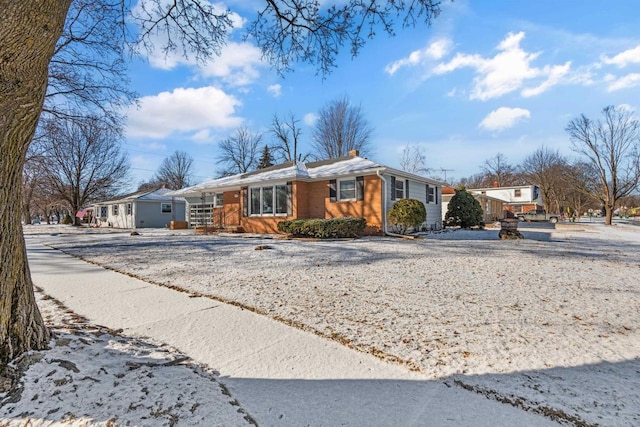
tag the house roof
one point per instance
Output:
(159, 195)
(289, 171)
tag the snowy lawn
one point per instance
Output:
(549, 322)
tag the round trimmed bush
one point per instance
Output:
(406, 214)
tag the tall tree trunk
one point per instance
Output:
(28, 34)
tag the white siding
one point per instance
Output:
(418, 191)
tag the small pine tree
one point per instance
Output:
(464, 211)
(406, 214)
(267, 159)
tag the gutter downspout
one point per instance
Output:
(384, 209)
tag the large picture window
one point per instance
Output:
(270, 200)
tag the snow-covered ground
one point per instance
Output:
(549, 322)
(94, 376)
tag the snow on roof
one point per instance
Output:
(286, 172)
(159, 195)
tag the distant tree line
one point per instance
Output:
(340, 128)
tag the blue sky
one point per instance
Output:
(487, 77)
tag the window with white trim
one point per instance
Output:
(431, 194)
(165, 208)
(114, 210)
(269, 200)
(517, 193)
(219, 200)
(398, 191)
(103, 211)
(347, 189)
(281, 199)
(129, 208)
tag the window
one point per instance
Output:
(398, 189)
(517, 193)
(219, 200)
(129, 208)
(103, 211)
(255, 201)
(347, 189)
(114, 209)
(165, 208)
(267, 200)
(270, 200)
(281, 199)
(430, 194)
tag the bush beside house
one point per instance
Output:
(464, 211)
(323, 228)
(407, 214)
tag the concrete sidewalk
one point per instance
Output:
(280, 375)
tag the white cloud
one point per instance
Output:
(630, 56)
(555, 75)
(237, 64)
(275, 90)
(310, 119)
(628, 81)
(507, 71)
(626, 107)
(503, 118)
(183, 110)
(434, 51)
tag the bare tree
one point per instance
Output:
(414, 160)
(175, 171)
(612, 149)
(545, 169)
(341, 127)
(473, 181)
(499, 171)
(84, 161)
(88, 70)
(287, 137)
(239, 152)
(30, 32)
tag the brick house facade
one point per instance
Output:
(345, 187)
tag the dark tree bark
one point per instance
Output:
(29, 32)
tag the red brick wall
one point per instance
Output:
(311, 200)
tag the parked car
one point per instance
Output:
(538, 215)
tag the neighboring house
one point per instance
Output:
(492, 207)
(345, 187)
(148, 209)
(518, 199)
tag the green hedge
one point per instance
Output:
(323, 228)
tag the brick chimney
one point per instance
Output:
(495, 184)
(354, 153)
